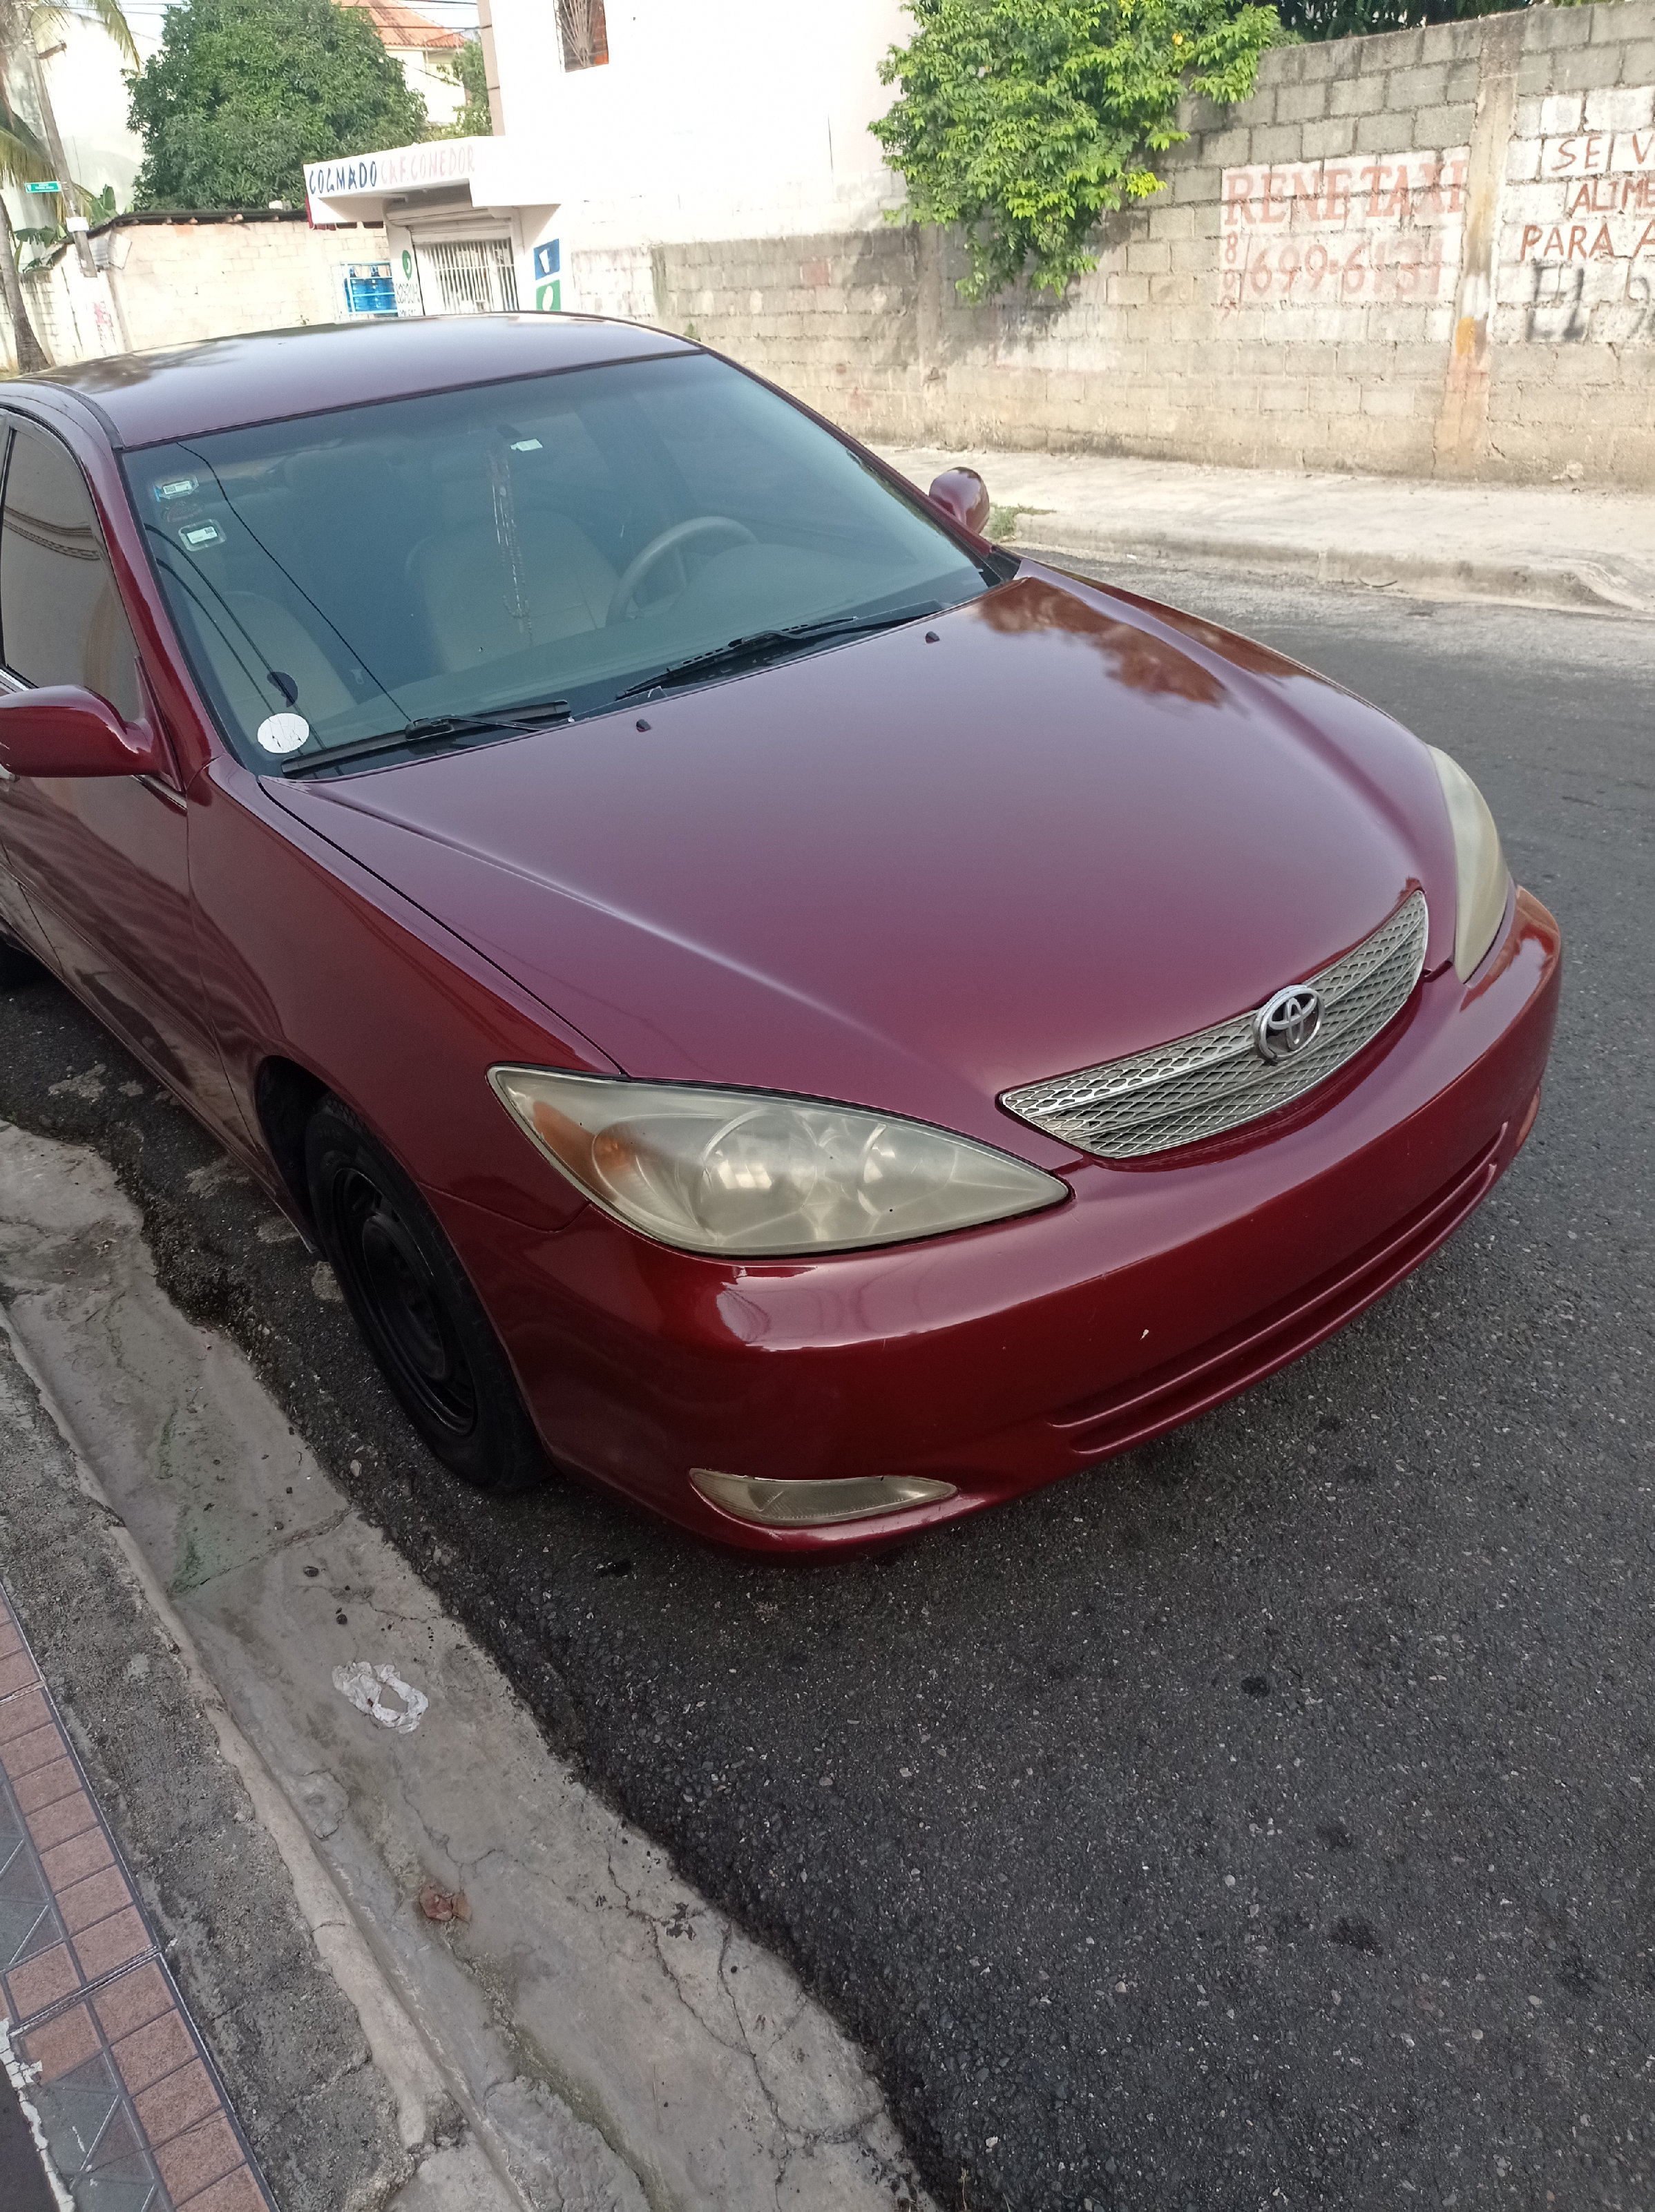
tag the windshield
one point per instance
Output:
(388, 577)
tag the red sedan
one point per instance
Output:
(764, 1000)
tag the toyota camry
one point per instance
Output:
(768, 1002)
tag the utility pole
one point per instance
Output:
(67, 193)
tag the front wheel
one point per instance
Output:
(424, 1325)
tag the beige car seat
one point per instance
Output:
(245, 634)
(463, 581)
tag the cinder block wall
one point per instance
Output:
(171, 282)
(177, 282)
(1371, 265)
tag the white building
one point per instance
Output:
(623, 130)
(428, 55)
(86, 79)
(83, 71)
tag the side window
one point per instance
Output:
(61, 620)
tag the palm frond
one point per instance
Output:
(20, 19)
(109, 13)
(23, 158)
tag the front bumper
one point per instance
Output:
(1003, 1357)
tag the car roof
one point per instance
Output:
(144, 399)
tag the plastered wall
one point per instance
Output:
(169, 283)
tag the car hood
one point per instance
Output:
(1055, 825)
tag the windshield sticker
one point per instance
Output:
(196, 535)
(176, 488)
(282, 733)
(526, 445)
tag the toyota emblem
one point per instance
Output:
(1287, 1023)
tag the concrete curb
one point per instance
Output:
(1576, 588)
(284, 2037)
(402, 2059)
(1568, 551)
(612, 2042)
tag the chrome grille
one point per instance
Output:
(1201, 1085)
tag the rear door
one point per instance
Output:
(100, 863)
(17, 918)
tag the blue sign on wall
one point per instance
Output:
(548, 259)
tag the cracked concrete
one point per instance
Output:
(333, 2087)
(614, 2043)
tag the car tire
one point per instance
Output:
(424, 1324)
(18, 966)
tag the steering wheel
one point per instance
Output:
(669, 541)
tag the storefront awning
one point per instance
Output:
(499, 172)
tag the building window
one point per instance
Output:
(467, 276)
(583, 32)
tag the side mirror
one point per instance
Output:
(964, 498)
(61, 730)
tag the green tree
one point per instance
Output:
(24, 157)
(1027, 121)
(465, 67)
(243, 93)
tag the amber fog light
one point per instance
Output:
(810, 1504)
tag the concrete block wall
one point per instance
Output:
(170, 283)
(179, 282)
(1338, 274)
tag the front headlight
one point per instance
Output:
(1483, 880)
(743, 1172)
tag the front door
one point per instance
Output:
(100, 863)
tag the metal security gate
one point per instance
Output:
(468, 276)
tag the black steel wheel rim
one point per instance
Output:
(393, 1289)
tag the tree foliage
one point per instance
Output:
(1027, 121)
(466, 69)
(243, 93)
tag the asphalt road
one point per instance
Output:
(1263, 1819)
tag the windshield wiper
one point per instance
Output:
(740, 652)
(433, 730)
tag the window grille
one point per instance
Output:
(468, 277)
(583, 34)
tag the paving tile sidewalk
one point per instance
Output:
(1553, 545)
(96, 2034)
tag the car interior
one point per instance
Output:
(448, 553)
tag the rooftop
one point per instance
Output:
(403, 28)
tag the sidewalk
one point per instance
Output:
(105, 2062)
(1553, 545)
(409, 1936)
(128, 1849)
